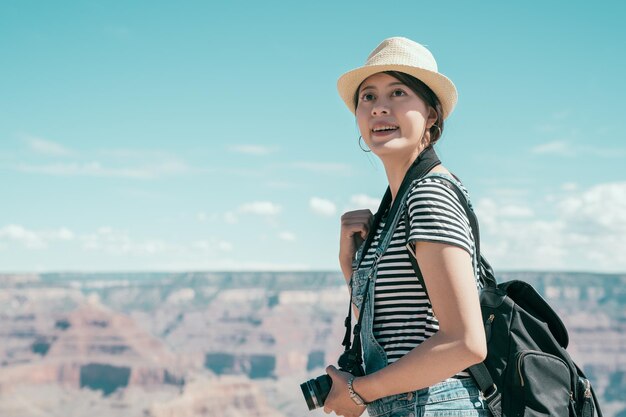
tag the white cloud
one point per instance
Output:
(569, 186)
(565, 149)
(256, 266)
(96, 169)
(119, 242)
(225, 246)
(135, 154)
(210, 246)
(114, 163)
(287, 236)
(588, 233)
(19, 234)
(560, 148)
(202, 245)
(599, 210)
(363, 201)
(32, 239)
(252, 149)
(227, 217)
(512, 211)
(230, 217)
(280, 184)
(322, 206)
(221, 263)
(510, 193)
(489, 210)
(117, 248)
(65, 234)
(46, 147)
(263, 208)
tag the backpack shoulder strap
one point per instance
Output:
(479, 372)
(484, 267)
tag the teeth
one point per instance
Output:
(381, 128)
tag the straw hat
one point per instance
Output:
(402, 55)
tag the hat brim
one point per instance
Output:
(441, 85)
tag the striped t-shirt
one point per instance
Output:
(403, 315)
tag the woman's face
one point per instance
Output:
(391, 117)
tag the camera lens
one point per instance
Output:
(316, 390)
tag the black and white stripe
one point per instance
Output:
(403, 315)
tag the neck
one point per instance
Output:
(396, 169)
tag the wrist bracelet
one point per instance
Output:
(358, 400)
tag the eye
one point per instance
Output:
(398, 93)
(367, 97)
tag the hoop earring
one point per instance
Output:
(364, 150)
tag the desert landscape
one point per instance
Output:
(228, 344)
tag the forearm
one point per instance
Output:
(345, 263)
(434, 360)
(346, 269)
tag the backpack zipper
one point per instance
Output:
(587, 389)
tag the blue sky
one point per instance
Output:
(209, 135)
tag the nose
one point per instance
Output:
(380, 108)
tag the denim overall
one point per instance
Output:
(452, 397)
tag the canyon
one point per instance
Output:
(231, 343)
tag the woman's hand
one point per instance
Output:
(338, 399)
(355, 226)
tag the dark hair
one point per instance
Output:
(424, 92)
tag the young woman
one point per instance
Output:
(417, 341)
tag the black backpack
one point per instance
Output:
(528, 371)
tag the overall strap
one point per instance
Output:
(425, 161)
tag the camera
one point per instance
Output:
(316, 390)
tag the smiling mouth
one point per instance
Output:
(384, 129)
